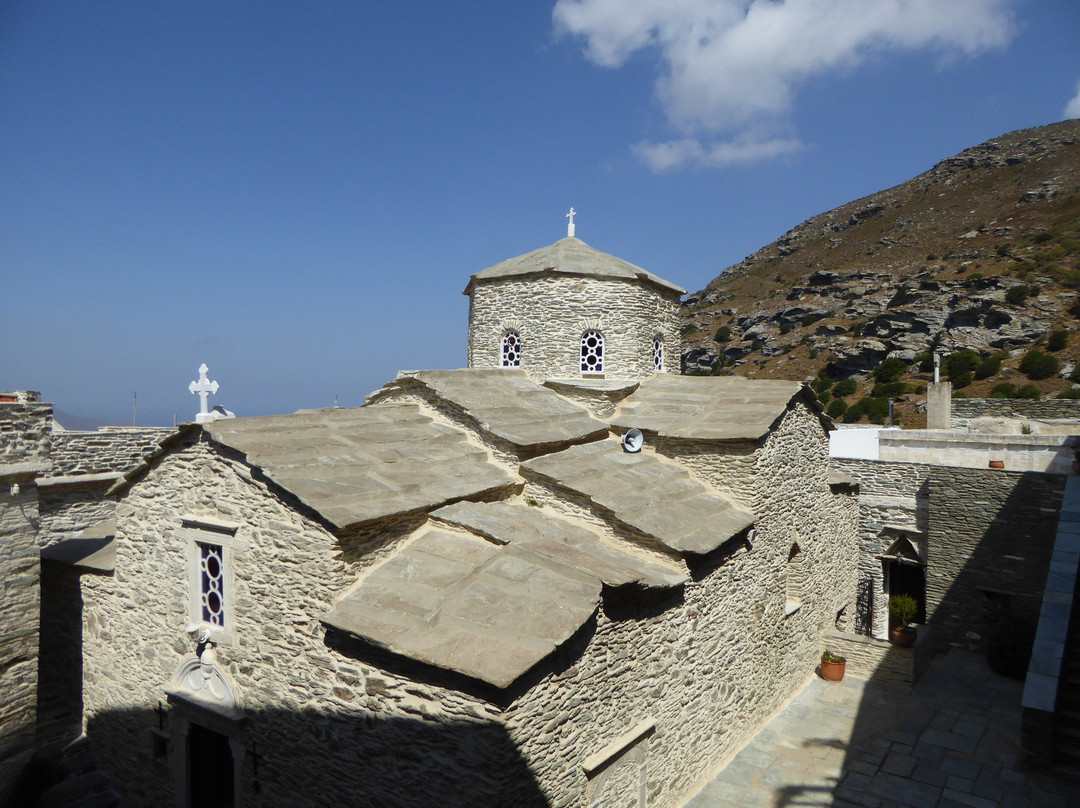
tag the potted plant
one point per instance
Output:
(903, 608)
(832, 666)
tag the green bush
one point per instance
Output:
(1018, 294)
(1038, 364)
(785, 328)
(961, 362)
(876, 408)
(961, 381)
(1003, 390)
(723, 334)
(900, 298)
(1029, 391)
(890, 370)
(845, 388)
(890, 390)
(988, 367)
(1073, 393)
(837, 407)
(824, 397)
(854, 413)
(1058, 340)
(821, 384)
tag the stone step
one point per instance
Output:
(74, 788)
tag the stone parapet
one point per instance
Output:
(965, 409)
(108, 449)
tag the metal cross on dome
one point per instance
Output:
(203, 388)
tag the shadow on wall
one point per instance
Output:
(955, 734)
(286, 758)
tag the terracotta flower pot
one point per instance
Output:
(902, 636)
(832, 671)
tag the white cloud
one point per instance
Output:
(1072, 109)
(733, 67)
(689, 151)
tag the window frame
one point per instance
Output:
(197, 533)
(507, 333)
(598, 351)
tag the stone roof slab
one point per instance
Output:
(706, 407)
(464, 603)
(358, 465)
(504, 402)
(571, 256)
(649, 493)
(561, 540)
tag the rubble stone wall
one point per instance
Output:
(991, 536)
(964, 409)
(709, 666)
(320, 723)
(108, 449)
(19, 606)
(893, 499)
(25, 432)
(551, 312)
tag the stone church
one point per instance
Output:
(562, 576)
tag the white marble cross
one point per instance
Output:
(203, 387)
(570, 227)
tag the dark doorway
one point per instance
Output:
(908, 579)
(210, 769)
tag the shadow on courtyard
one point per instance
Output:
(954, 737)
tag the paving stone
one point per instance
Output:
(900, 765)
(970, 799)
(962, 768)
(959, 784)
(925, 773)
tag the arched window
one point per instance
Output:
(658, 354)
(511, 350)
(592, 352)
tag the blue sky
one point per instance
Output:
(296, 193)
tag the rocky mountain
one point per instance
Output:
(979, 254)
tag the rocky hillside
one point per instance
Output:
(979, 256)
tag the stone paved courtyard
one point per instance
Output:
(952, 741)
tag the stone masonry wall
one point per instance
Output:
(964, 409)
(551, 312)
(108, 449)
(892, 499)
(991, 535)
(25, 432)
(19, 574)
(320, 723)
(24, 447)
(68, 509)
(708, 667)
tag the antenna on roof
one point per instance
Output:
(570, 227)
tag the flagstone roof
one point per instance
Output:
(707, 407)
(504, 402)
(362, 464)
(652, 494)
(493, 603)
(571, 256)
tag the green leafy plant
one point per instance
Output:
(1003, 390)
(845, 388)
(890, 370)
(723, 334)
(1038, 364)
(837, 407)
(961, 362)
(903, 608)
(1029, 391)
(828, 656)
(989, 366)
